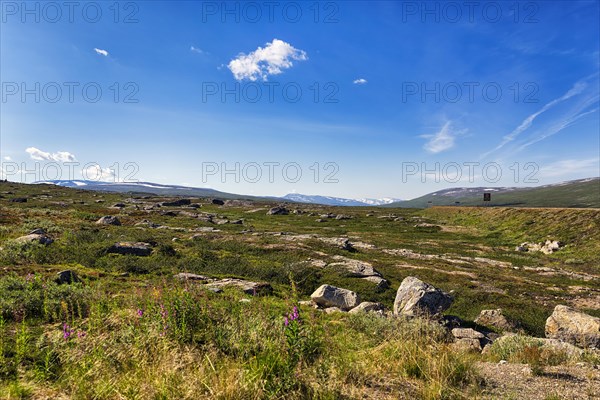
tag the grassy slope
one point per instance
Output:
(575, 194)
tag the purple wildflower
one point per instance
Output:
(285, 321)
(140, 312)
(67, 331)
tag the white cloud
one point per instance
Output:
(98, 174)
(359, 81)
(588, 167)
(262, 62)
(577, 88)
(7, 158)
(196, 50)
(39, 155)
(101, 52)
(442, 140)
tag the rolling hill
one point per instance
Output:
(581, 193)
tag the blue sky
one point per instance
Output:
(369, 94)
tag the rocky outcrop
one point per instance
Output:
(128, 248)
(109, 220)
(330, 296)
(217, 202)
(415, 297)
(573, 327)
(354, 268)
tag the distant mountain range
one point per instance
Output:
(337, 201)
(580, 193)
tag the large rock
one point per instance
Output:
(217, 202)
(35, 238)
(573, 327)
(495, 319)
(248, 287)
(109, 220)
(278, 211)
(128, 248)
(330, 296)
(547, 247)
(415, 297)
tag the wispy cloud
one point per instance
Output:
(359, 81)
(101, 52)
(577, 88)
(39, 155)
(587, 167)
(442, 140)
(196, 50)
(262, 62)
(7, 158)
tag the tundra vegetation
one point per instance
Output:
(188, 300)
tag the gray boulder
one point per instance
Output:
(573, 327)
(415, 297)
(67, 276)
(35, 238)
(109, 220)
(278, 211)
(330, 296)
(495, 319)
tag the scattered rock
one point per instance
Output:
(331, 296)
(495, 319)
(148, 223)
(67, 276)
(37, 231)
(109, 220)
(237, 222)
(215, 290)
(118, 205)
(331, 310)
(367, 306)
(547, 247)
(278, 211)
(573, 327)
(19, 200)
(186, 276)
(416, 297)
(176, 203)
(252, 288)
(342, 217)
(128, 248)
(217, 202)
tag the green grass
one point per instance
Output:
(214, 346)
